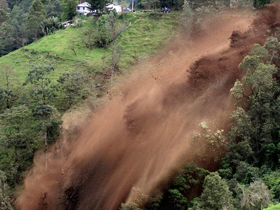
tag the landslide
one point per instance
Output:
(143, 133)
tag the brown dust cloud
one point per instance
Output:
(135, 141)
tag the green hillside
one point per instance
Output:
(146, 34)
(276, 207)
(233, 93)
(37, 95)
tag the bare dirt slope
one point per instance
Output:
(143, 133)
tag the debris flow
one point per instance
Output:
(143, 134)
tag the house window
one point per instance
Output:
(78, 8)
(83, 8)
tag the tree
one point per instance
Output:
(6, 41)
(260, 3)
(273, 182)
(49, 123)
(3, 11)
(172, 3)
(241, 151)
(180, 183)
(216, 193)
(154, 202)
(7, 93)
(241, 125)
(99, 5)
(177, 199)
(260, 194)
(73, 87)
(5, 201)
(215, 141)
(256, 196)
(47, 115)
(37, 14)
(115, 31)
(102, 36)
(13, 33)
(68, 9)
(18, 20)
(54, 9)
(189, 177)
(50, 25)
(38, 77)
(149, 4)
(188, 16)
(17, 141)
(260, 88)
(245, 197)
(108, 31)
(24, 5)
(194, 204)
(255, 124)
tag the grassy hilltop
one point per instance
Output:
(146, 34)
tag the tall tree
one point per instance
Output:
(14, 31)
(37, 14)
(7, 89)
(5, 201)
(18, 20)
(259, 125)
(177, 199)
(256, 196)
(48, 118)
(3, 11)
(68, 9)
(25, 5)
(149, 4)
(99, 5)
(216, 194)
(17, 141)
(54, 8)
(6, 39)
(102, 36)
(114, 30)
(73, 87)
(260, 3)
(38, 77)
(48, 124)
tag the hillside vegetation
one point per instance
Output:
(276, 207)
(41, 81)
(235, 161)
(67, 51)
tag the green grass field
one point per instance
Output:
(146, 35)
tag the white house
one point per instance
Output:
(111, 7)
(84, 8)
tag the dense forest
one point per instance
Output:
(247, 175)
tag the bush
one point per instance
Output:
(104, 27)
